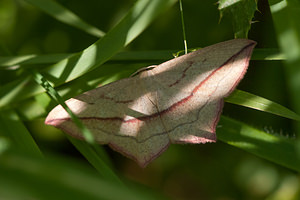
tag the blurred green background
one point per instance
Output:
(210, 171)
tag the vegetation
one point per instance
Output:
(53, 50)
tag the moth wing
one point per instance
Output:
(192, 88)
(178, 101)
(121, 114)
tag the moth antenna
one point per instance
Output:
(158, 111)
(142, 69)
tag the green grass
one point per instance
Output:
(31, 84)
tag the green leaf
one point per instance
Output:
(276, 149)
(241, 13)
(246, 99)
(64, 15)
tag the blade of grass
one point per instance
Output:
(94, 155)
(98, 158)
(24, 177)
(138, 18)
(142, 13)
(249, 100)
(6, 62)
(64, 15)
(276, 149)
(286, 15)
(39, 105)
(12, 127)
(15, 91)
(92, 79)
(267, 54)
(20, 89)
(32, 110)
(88, 136)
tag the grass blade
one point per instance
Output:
(276, 149)
(140, 16)
(12, 127)
(64, 15)
(249, 100)
(24, 177)
(129, 56)
(98, 158)
(285, 15)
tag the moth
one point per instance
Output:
(179, 101)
